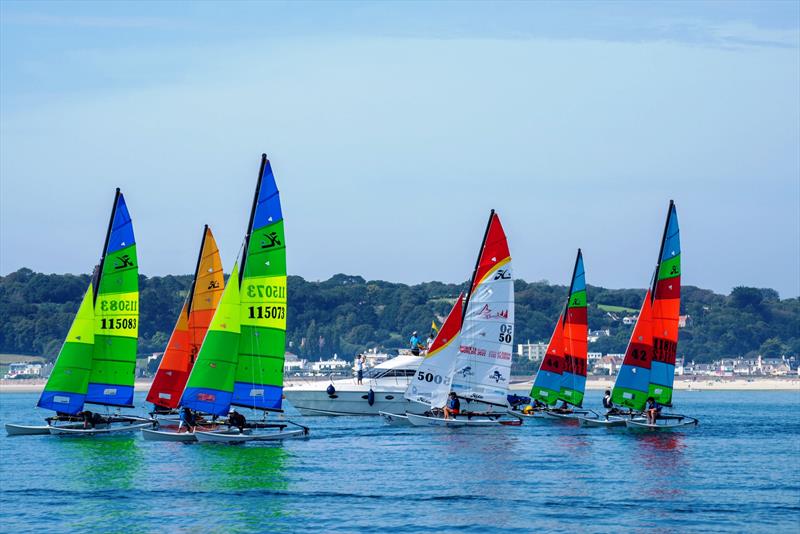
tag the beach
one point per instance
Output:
(704, 383)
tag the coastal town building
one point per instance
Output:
(23, 370)
(532, 351)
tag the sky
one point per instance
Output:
(394, 127)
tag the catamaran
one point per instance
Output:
(240, 363)
(184, 344)
(431, 382)
(562, 372)
(97, 362)
(648, 369)
(481, 368)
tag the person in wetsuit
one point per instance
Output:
(236, 419)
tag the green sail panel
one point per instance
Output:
(259, 373)
(116, 314)
(210, 385)
(65, 391)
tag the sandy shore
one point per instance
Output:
(520, 384)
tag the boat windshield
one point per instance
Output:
(374, 373)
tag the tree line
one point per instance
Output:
(347, 314)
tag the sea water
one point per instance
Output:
(737, 471)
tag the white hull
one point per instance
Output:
(395, 419)
(165, 435)
(238, 437)
(459, 421)
(99, 431)
(670, 422)
(347, 402)
(34, 430)
(572, 416)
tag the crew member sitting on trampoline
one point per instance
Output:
(453, 406)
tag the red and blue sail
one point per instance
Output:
(576, 331)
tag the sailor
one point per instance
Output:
(453, 406)
(360, 368)
(429, 342)
(415, 343)
(539, 405)
(564, 408)
(653, 410)
(186, 418)
(87, 419)
(236, 419)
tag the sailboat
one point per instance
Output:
(187, 337)
(240, 363)
(97, 362)
(431, 383)
(665, 294)
(481, 368)
(562, 372)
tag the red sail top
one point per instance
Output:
(494, 253)
(640, 347)
(450, 328)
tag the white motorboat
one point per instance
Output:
(387, 383)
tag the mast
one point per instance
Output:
(569, 291)
(96, 282)
(196, 271)
(478, 261)
(252, 216)
(661, 250)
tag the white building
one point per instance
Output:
(532, 351)
(334, 365)
(19, 369)
(293, 365)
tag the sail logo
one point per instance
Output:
(206, 397)
(502, 274)
(124, 261)
(213, 284)
(487, 313)
(272, 237)
(465, 372)
(497, 376)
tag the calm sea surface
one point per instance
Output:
(737, 471)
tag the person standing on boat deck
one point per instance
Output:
(453, 406)
(607, 404)
(429, 342)
(360, 368)
(653, 410)
(415, 343)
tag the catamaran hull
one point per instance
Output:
(662, 424)
(34, 430)
(601, 422)
(238, 437)
(105, 430)
(165, 435)
(565, 416)
(395, 419)
(424, 420)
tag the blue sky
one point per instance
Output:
(393, 128)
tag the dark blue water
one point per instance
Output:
(737, 471)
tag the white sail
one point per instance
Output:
(431, 384)
(483, 363)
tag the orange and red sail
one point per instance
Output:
(191, 327)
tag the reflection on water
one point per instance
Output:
(661, 457)
(100, 463)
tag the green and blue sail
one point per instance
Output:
(97, 362)
(245, 368)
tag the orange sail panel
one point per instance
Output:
(191, 327)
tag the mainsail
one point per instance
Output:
(547, 385)
(573, 378)
(633, 379)
(116, 314)
(210, 385)
(65, 391)
(666, 300)
(190, 329)
(431, 384)
(483, 363)
(259, 374)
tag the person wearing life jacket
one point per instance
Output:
(186, 418)
(236, 419)
(453, 406)
(608, 404)
(416, 344)
(653, 410)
